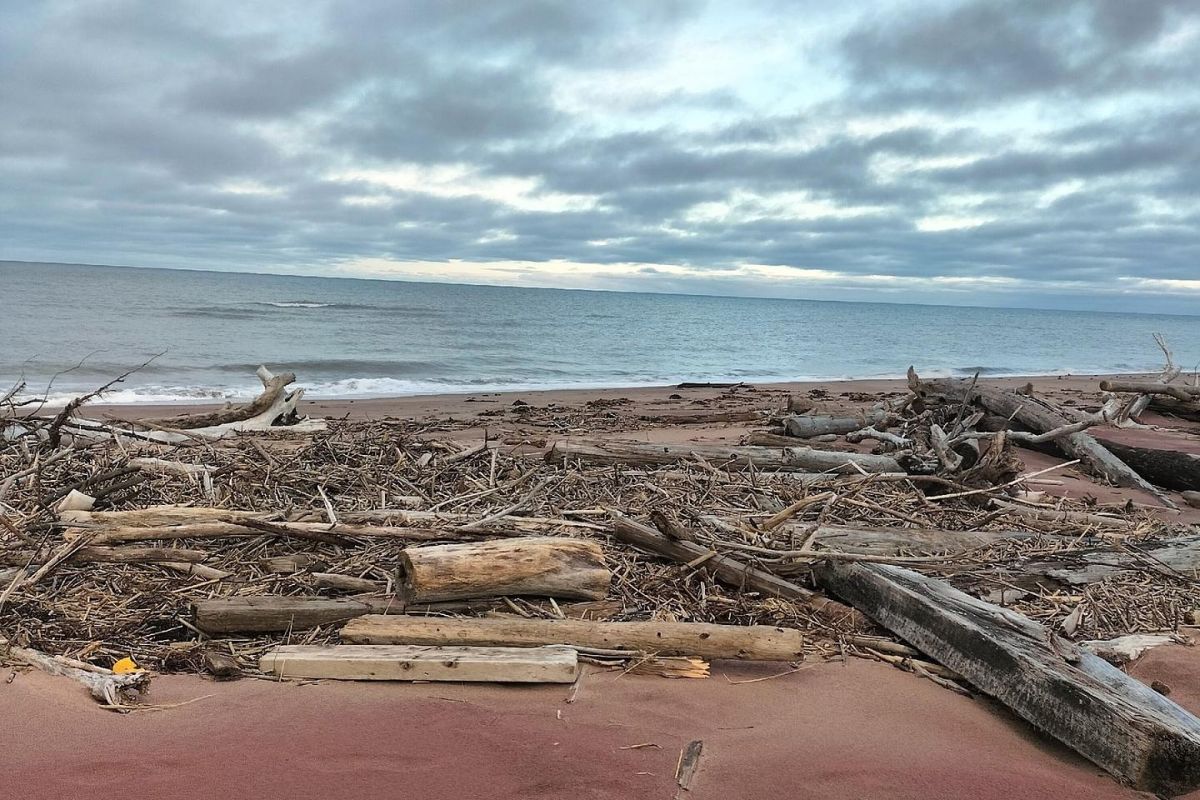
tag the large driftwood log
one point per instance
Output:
(749, 642)
(804, 426)
(1181, 392)
(1120, 724)
(1170, 469)
(274, 386)
(1172, 407)
(382, 662)
(536, 566)
(733, 572)
(798, 459)
(1041, 418)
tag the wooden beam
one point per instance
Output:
(1118, 723)
(365, 662)
(705, 640)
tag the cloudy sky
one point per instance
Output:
(979, 152)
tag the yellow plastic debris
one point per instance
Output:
(125, 665)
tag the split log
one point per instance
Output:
(1170, 469)
(704, 640)
(367, 662)
(798, 459)
(733, 572)
(808, 426)
(1041, 418)
(1118, 723)
(538, 566)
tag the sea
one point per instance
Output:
(199, 336)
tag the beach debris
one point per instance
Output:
(1113, 720)
(365, 662)
(689, 762)
(704, 640)
(1125, 649)
(541, 566)
(793, 458)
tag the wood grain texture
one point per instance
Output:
(539, 566)
(1118, 723)
(752, 642)
(418, 663)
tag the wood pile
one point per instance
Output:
(387, 550)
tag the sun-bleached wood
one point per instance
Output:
(367, 662)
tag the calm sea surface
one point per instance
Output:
(354, 338)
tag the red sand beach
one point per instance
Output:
(854, 730)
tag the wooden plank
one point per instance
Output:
(705, 640)
(1118, 723)
(366, 662)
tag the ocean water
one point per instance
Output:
(73, 327)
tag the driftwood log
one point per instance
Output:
(1170, 469)
(701, 639)
(1118, 723)
(1178, 558)
(734, 572)
(1040, 417)
(274, 613)
(798, 459)
(808, 426)
(366, 662)
(538, 566)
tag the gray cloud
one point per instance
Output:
(1030, 142)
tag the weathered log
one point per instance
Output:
(808, 426)
(1192, 499)
(156, 515)
(1057, 515)
(1181, 392)
(733, 572)
(1170, 557)
(301, 530)
(274, 385)
(1118, 723)
(272, 613)
(703, 417)
(916, 541)
(266, 613)
(1170, 469)
(797, 459)
(369, 662)
(1172, 407)
(536, 566)
(749, 642)
(112, 555)
(1040, 418)
(346, 583)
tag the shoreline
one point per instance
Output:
(392, 405)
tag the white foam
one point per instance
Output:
(299, 304)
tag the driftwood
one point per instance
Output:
(104, 685)
(366, 662)
(798, 459)
(893, 541)
(733, 572)
(703, 417)
(808, 426)
(1178, 558)
(1170, 469)
(1040, 418)
(273, 613)
(1181, 392)
(704, 640)
(346, 583)
(538, 566)
(1057, 515)
(1118, 723)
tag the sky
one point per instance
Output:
(984, 152)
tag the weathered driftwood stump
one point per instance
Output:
(541, 566)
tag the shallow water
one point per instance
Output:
(349, 338)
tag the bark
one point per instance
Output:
(735, 573)
(1170, 469)
(704, 640)
(365, 662)
(537, 566)
(1041, 418)
(795, 459)
(1120, 724)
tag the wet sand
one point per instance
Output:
(829, 731)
